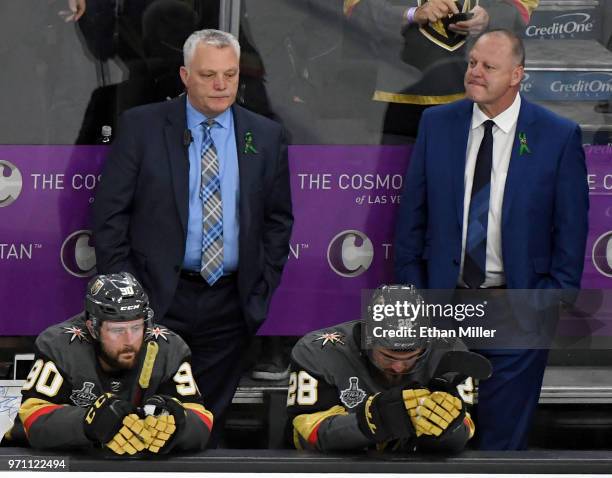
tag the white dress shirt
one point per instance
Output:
(503, 138)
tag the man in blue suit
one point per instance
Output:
(195, 202)
(496, 197)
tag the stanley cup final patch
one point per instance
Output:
(84, 397)
(353, 395)
(439, 32)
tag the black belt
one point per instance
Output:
(195, 276)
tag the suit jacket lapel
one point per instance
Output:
(241, 127)
(458, 139)
(517, 169)
(174, 129)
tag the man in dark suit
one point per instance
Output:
(496, 197)
(195, 202)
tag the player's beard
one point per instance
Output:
(393, 379)
(115, 361)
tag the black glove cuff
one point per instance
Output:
(105, 418)
(362, 420)
(384, 417)
(397, 419)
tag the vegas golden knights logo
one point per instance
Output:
(439, 33)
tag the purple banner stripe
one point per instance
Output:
(345, 203)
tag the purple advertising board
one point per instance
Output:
(345, 203)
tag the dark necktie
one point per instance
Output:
(212, 210)
(474, 265)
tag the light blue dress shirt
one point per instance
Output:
(225, 142)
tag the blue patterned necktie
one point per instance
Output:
(212, 209)
(474, 264)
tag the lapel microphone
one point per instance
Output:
(187, 138)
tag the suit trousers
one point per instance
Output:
(508, 400)
(518, 353)
(210, 320)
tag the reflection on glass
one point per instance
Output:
(354, 71)
(332, 71)
(72, 66)
(138, 47)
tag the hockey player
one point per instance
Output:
(348, 393)
(110, 378)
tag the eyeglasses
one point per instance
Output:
(120, 331)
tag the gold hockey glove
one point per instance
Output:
(435, 413)
(131, 438)
(165, 419)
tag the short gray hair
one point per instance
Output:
(209, 37)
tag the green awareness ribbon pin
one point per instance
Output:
(523, 146)
(248, 144)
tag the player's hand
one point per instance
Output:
(132, 437)
(434, 10)
(164, 420)
(113, 422)
(386, 415)
(435, 413)
(475, 25)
